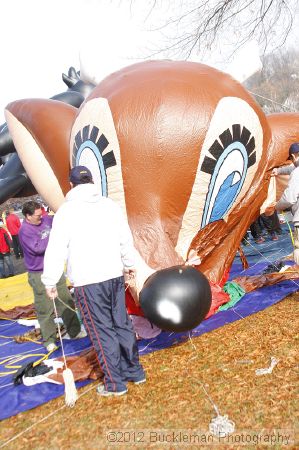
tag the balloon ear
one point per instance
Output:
(285, 131)
(40, 130)
(71, 78)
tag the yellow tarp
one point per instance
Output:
(15, 291)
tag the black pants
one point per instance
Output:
(270, 223)
(255, 229)
(18, 251)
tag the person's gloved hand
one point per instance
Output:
(130, 273)
(130, 281)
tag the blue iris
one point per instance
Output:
(227, 190)
(225, 197)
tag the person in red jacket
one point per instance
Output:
(5, 256)
(13, 225)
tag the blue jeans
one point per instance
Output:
(6, 262)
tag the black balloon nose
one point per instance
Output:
(176, 299)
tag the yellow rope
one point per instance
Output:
(5, 318)
(25, 338)
(290, 229)
(10, 362)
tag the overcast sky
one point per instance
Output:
(42, 39)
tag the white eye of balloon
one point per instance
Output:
(170, 311)
(88, 150)
(232, 155)
(227, 165)
(94, 144)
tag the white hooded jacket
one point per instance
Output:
(90, 233)
(290, 197)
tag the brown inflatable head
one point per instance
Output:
(182, 147)
(186, 147)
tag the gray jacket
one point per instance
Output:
(286, 170)
(290, 197)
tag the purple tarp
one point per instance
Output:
(15, 399)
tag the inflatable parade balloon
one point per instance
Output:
(176, 299)
(182, 147)
(14, 181)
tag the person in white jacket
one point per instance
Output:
(90, 233)
(290, 197)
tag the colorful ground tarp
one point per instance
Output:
(15, 291)
(15, 399)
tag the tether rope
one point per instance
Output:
(272, 101)
(220, 425)
(41, 420)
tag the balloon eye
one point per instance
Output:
(232, 156)
(89, 146)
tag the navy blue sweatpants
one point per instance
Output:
(103, 309)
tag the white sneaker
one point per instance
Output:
(102, 391)
(80, 335)
(140, 381)
(51, 347)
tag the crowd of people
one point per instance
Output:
(269, 225)
(9, 240)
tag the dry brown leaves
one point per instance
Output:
(224, 361)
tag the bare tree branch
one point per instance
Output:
(199, 25)
(276, 87)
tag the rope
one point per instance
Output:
(7, 324)
(40, 421)
(273, 101)
(67, 306)
(71, 394)
(266, 259)
(5, 385)
(24, 337)
(6, 343)
(290, 229)
(59, 332)
(19, 354)
(5, 318)
(68, 354)
(220, 425)
(10, 362)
